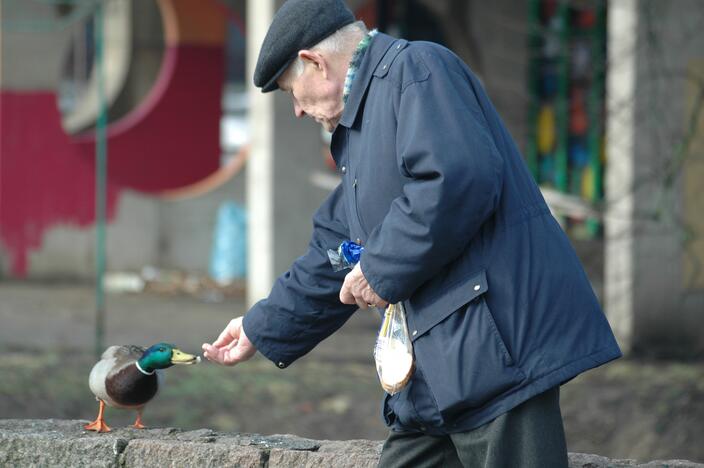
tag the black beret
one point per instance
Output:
(299, 24)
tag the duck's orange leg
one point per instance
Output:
(138, 422)
(99, 424)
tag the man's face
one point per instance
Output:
(317, 92)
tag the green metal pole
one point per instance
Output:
(596, 102)
(534, 39)
(561, 102)
(101, 153)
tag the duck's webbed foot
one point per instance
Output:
(99, 424)
(138, 422)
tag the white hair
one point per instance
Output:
(343, 40)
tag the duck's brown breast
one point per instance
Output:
(130, 387)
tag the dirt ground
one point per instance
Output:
(629, 409)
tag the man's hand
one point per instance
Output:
(356, 290)
(231, 347)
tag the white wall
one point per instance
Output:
(649, 299)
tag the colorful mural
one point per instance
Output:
(566, 82)
(170, 140)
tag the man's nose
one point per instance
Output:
(298, 110)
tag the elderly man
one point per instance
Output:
(498, 306)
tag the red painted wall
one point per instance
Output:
(173, 138)
(44, 178)
(170, 140)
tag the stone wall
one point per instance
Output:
(52, 442)
(654, 283)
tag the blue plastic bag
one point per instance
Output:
(228, 256)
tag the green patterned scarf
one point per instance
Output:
(355, 61)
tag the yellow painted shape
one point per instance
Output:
(546, 129)
(588, 184)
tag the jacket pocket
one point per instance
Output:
(357, 211)
(460, 350)
(425, 310)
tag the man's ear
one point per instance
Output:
(316, 58)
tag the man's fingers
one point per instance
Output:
(224, 338)
(356, 290)
(240, 353)
(219, 355)
(375, 300)
(231, 332)
(234, 343)
(209, 351)
(346, 296)
(231, 347)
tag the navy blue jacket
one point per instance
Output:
(454, 226)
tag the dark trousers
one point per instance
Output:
(530, 435)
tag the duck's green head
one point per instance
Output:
(164, 355)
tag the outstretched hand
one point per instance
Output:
(231, 347)
(356, 290)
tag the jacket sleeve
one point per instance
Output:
(303, 307)
(446, 150)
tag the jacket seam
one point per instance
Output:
(500, 339)
(403, 86)
(523, 215)
(464, 279)
(431, 392)
(567, 364)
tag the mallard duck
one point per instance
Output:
(129, 377)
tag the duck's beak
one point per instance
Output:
(179, 357)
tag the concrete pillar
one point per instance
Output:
(620, 129)
(654, 284)
(259, 190)
(285, 151)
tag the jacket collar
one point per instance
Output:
(376, 62)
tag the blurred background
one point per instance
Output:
(149, 193)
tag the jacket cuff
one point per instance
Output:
(378, 284)
(253, 323)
